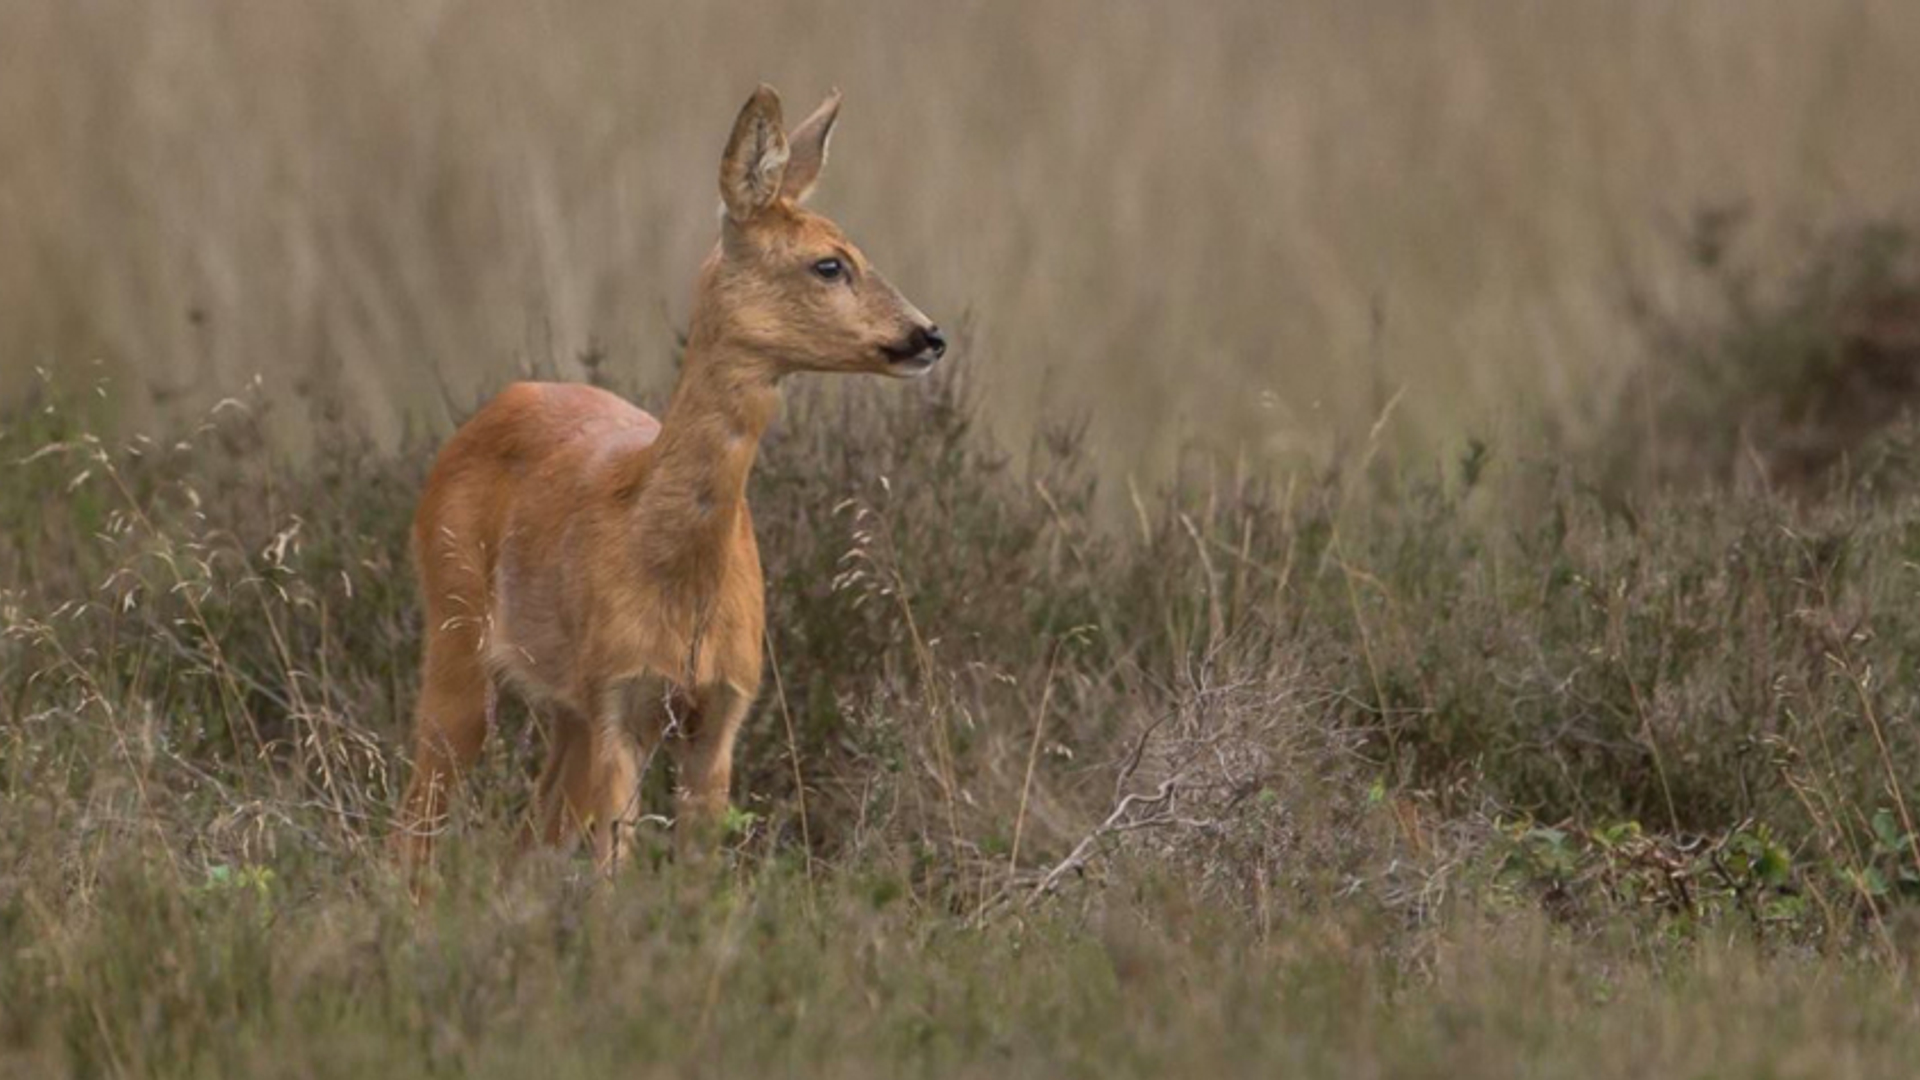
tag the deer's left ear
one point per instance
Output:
(809, 145)
(756, 157)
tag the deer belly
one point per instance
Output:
(526, 640)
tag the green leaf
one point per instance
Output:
(1618, 833)
(1773, 865)
(1886, 830)
(738, 821)
(1872, 882)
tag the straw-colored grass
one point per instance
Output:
(1499, 705)
(1253, 223)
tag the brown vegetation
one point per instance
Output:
(1582, 748)
(1254, 227)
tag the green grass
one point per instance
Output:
(1476, 770)
(660, 975)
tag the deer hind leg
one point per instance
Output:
(703, 768)
(450, 726)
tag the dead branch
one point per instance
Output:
(1117, 821)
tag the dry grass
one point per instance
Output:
(1255, 226)
(1557, 755)
(1338, 775)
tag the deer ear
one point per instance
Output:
(809, 144)
(756, 157)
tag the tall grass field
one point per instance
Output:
(1410, 568)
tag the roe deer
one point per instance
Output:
(603, 562)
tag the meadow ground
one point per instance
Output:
(1410, 569)
(1373, 772)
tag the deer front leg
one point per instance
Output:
(557, 818)
(703, 766)
(601, 793)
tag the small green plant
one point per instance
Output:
(222, 878)
(739, 823)
(1889, 872)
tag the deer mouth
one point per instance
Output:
(912, 365)
(909, 362)
(917, 354)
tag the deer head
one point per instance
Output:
(785, 283)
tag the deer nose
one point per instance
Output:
(932, 341)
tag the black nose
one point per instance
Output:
(932, 341)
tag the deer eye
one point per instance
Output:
(830, 269)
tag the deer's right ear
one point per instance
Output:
(756, 157)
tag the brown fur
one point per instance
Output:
(604, 563)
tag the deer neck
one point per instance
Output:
(693, 498)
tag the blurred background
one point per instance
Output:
(1258, 225)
